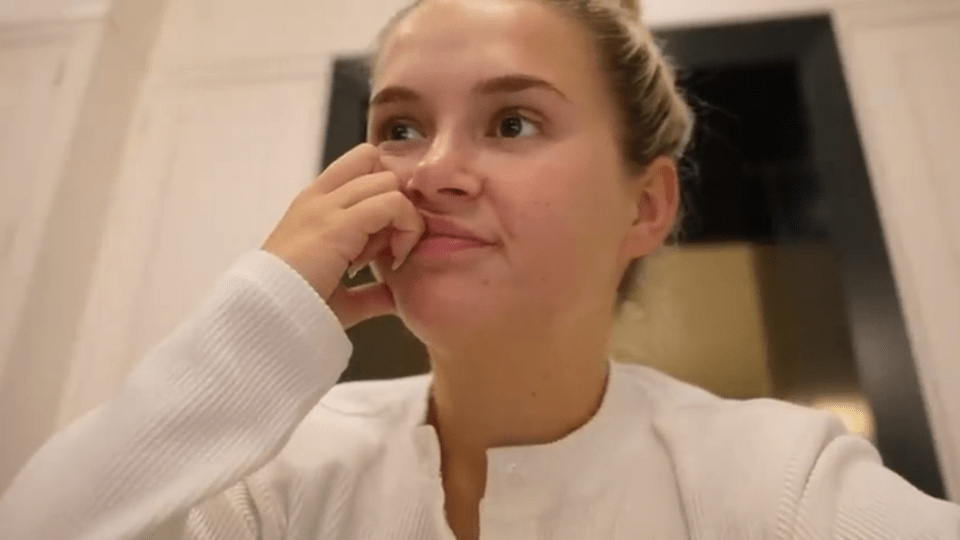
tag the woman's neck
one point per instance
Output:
(517, 389)
(516, 392)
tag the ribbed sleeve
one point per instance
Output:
(850, 495)
(208, 406)
(767, 469)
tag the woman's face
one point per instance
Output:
(496, 117)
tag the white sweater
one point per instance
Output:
(218, 434)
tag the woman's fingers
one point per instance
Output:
(391, 210)
(359, 161)
(362, 188)
(349, 216)
(360, 303)
(377, 243)
(402, 243)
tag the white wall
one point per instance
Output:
(197, 33)
(79, 130)
(35, 11)
(903, 67)
(669, 13)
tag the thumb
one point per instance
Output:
(358, 304)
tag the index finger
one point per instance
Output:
(361, 160)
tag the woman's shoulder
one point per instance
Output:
(708, 436)
(688, 411)
(752, 457)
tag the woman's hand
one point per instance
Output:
(352, 213)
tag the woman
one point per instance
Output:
(521, 161)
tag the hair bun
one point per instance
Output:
(631, 6)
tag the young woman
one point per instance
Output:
(521, 162)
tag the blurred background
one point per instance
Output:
(818, 261)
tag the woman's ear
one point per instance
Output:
(656, 194)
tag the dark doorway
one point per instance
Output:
(777, 131)
(776, 162)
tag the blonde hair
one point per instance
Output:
(656, 119)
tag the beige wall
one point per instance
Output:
(699, 317)
(743, 320)
(108, 57)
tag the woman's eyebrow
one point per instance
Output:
(514, 83)
(503, 84)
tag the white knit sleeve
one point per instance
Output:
(769, 469)
(850, 495)
(206, 408)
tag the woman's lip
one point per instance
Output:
(437, 226)
(439, 244)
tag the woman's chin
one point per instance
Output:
(439, 309)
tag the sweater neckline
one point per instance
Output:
(525, 479)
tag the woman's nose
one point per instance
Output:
(442, 177)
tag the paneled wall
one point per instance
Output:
(70, 73)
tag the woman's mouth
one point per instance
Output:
(433, 245)
(444, 237)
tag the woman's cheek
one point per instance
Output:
(547, 227)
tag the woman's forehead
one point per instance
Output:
(465, 40)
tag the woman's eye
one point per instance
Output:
(399, 131)
(515, 126)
